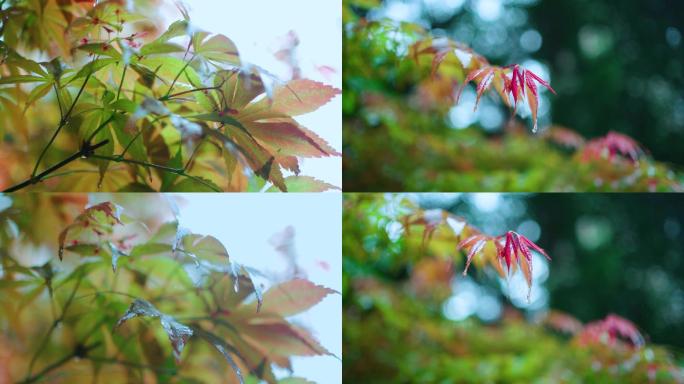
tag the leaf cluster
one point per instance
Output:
(397, 134)
(395, 329)
(124, 299)
(146, 110)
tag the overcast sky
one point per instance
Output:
(246, 222)
(258, 27)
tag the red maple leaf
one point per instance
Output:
(611, 146)
(512, 248)
(517, 251)
(515, 246)
(473, 245)
(521, 85)
(611, 330)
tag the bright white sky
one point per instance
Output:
(258, 26)
(245, 222)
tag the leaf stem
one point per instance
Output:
(74, 171)
(177, 76)
(59, 102)
(193, 154)
(99, 128)
(120, 159)
(128, 146)
(123, 76)
(62, 123)
(107, 360)
(177, 171)
(167, 97)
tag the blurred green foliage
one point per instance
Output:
(398, 134)
(617, 253)
(119, 292)
(395, 330)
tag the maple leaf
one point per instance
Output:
(94, 222)
(516, 250)
(612, 146)
(225, 349)
(210, 255)
(515, 246)
(430, 219)
(473, 245)
(215, 49)
(207, 248)
(522, 85)
(305, 184)
(611, 330)
(116, 254)
(267, 333)
(294, 296)
(177, 332)
(262, 127)
(484, 77)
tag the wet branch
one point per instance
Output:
(85, 151)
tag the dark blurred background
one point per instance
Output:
(612, 253)
(616, 65)
(617, 253)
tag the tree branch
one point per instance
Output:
(88, 151)
(38, 376)
(80, 351)
(85, 151)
